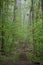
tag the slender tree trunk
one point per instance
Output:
(32, 1)
(2, 45)
(42, 11)
(37, 13)
(3, 21)
(14, 18)
(14, 10)
(1, 6)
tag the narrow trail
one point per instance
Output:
(18, 63)
(22, 61)
(15, 63)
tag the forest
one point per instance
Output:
(21, 31)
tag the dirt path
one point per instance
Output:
(16, 63)
(22, 61)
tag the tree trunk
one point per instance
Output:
(42, 11)
(32, 1)
(2, 45)
(14, 11)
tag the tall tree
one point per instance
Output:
(3, 19)
(42, 11)
(15, 1)
(32, 9)
(4, 15)
(14, 18)
(1, 5)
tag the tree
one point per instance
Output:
(42, 11)
(2, 33)
(32, 9)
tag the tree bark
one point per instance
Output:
(32, 4)
(2, 45)
(42, 11)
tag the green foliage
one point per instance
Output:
(22, 27)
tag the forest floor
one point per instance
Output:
(22, 61)
(16, 63)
